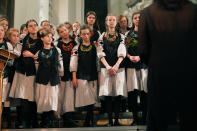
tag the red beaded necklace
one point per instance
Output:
(111, 39)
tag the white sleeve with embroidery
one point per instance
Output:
(55, 43)
(99, 47)
(74, 59)
(16, 50)
(122, 48)
(60, 63)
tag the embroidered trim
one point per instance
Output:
(111, 39)
(46, 55)
(68, 47)
(131, 40)
(85, 49)
(30, 45)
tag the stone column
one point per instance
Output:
(30, 9)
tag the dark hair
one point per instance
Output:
(171, 4)
(118, 23)
(3, 18)
(59, 26)
(68, 23)
(83, 27)
(96, 25)
(44, 31)
(22, 27)
(44, 21)
(31, 20)
(133, 25)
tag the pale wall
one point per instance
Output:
(117, 7)
(30, 9)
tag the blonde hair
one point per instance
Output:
(10, 31)
(110, 15)
(107, 19)
(77, 23)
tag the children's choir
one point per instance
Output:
(80, 70)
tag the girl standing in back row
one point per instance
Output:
(91, 21)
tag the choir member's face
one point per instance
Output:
(46, 24)
(111, 21)
(75, 26)
(32, 27)
(47, 39)
(123, 22)
(14, 37)
(24, 31)
(4, 23)
(85, 35)
(63, 32)
(91, 19)
(136, 19)
(2, 33)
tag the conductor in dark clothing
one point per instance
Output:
(168, 45)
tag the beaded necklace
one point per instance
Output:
(111, 38)
(68, 47)
(46, 55)
(29, 44)
(85, 49)
(132, 39)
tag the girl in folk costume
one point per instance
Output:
(85, 74)
(13, 47)
(23, 32)
(123, 24)
(136, 73)
(123, 28)
(50, 68)
(111, 51)
(91, 21)
(66, 90)
(23, 86)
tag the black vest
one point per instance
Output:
(26, 65)
(66, 49)
(94, 36)
(111, 51)
(131, 42)
(87, 63)
(48, 67)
